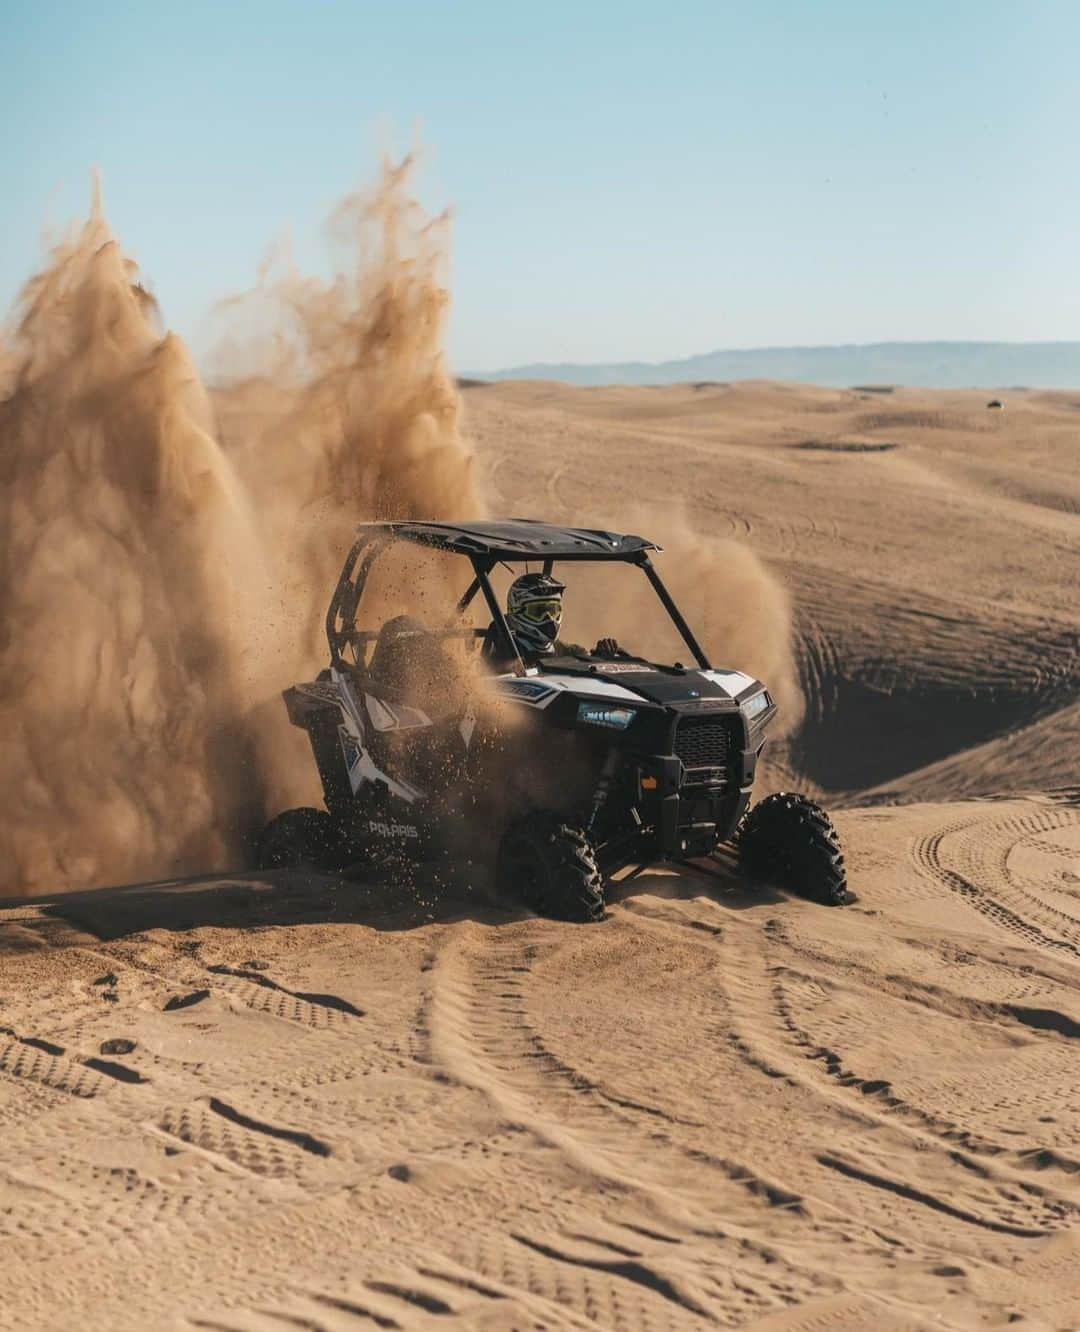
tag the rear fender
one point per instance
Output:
(338, 731)
(316, 709)
(304, 702)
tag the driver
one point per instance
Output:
(534, 611)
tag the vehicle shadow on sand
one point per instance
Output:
(252, 900)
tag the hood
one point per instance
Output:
(628, 679)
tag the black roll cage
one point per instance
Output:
(341, 631)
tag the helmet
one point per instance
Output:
(534, 611)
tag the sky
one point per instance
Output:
(629, 180)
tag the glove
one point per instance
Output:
(607, 647)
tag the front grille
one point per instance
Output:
(703, 741)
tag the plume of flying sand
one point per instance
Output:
(123, 534)
(161, 580)
(8, 368)
(353, 414)
(345, 411)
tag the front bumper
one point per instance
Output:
(696, 803)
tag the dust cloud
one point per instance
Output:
(739, 610)
(165, 559)
(742, 610)
(167, 550)
(124, 539)
(351, 411)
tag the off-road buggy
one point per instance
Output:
(568, 771)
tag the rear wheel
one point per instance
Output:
(550, 866)
(300, 838)
(789, 840)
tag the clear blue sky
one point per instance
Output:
(630, 180)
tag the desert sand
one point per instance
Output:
(270, 1101)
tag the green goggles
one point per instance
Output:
(537, 612)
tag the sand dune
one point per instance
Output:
(936, 600)
(259, 1102)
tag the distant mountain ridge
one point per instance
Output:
(915, 364)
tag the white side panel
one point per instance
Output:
(394, 716)
(733, 681)
(583, 684)
(539, 691)
(352, 734)
(364, 770)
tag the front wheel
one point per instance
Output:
(299, 838)
(789, 840)
(550, 867)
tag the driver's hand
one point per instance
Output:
(607, 647)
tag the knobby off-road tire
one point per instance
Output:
(550, 866)
(788, 840)
(299, 838)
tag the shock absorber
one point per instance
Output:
(603, 787)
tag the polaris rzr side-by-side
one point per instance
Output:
(567, 765)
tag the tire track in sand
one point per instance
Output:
(970, 857)
(971, 1192)
(481, 1033)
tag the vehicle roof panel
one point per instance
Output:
(516, 539)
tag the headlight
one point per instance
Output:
(602, 714)
(753, 706)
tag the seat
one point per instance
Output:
(410, 666)
(413, 667)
